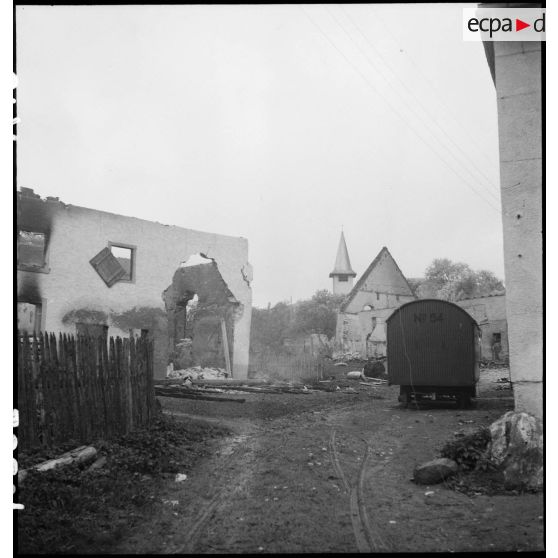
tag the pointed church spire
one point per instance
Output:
(342, 262)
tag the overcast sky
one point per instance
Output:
(280, 124)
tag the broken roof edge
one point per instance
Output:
(30, 195)
(369, 269)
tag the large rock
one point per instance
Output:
(516, 447)
(435, 471)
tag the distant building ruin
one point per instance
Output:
(490, 314)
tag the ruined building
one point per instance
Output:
(92, 272)
(382, 288)
(490, 314)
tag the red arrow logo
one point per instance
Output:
(519, 25)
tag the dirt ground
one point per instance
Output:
(331, 472)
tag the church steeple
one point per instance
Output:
(342, 273)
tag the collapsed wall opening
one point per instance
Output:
(201, 313)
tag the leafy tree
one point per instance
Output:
(449, 280)
(317, 315)
(270, 327)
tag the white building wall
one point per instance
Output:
(518, 87)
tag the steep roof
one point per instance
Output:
(365, 275)
(342, 261)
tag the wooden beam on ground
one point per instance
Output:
(183, 394)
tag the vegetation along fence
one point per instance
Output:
(81, 388)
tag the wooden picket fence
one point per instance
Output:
(81, 388)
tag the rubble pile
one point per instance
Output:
(339, 356)
(197, 373)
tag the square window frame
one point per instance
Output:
(133, 249)
(45, 268)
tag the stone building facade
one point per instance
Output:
(87, 271)
(361, 322)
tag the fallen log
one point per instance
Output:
(83, 454)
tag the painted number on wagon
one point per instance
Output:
(423, 317)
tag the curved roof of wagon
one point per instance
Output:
(446, 302)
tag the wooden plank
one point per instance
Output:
(226, 347)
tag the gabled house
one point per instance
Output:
(361, 319)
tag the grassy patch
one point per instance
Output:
(74, 510)
(468, 451)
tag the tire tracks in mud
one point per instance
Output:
(229, 461)
(367, 535)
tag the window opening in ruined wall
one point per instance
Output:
(201, 315)
(125, 255)
(29, 317)
(31, 251)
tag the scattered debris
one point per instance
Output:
(171, 502)
(98, 464)
(197, 373)
(343, 357)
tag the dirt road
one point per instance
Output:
(331, 472)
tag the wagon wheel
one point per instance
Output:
(463, 401)
(405, 399)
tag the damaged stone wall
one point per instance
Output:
(195, 332)
(490, 313)
(69, 288)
